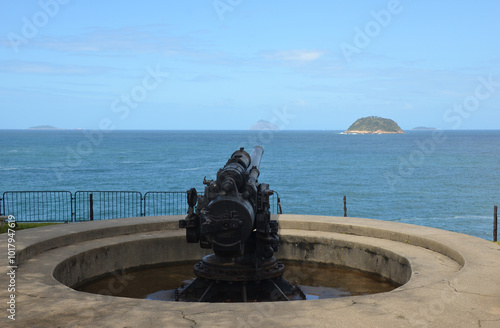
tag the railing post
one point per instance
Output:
(73, 207)
(143, 205)
(278, 204)
(495, 223)
(91, 207)
(345, 206)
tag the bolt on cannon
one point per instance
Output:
(232, 218)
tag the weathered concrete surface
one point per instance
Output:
(454, 279)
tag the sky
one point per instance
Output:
(226, 64)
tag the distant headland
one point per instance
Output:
(374, 125)
(43, 127)
(423, 128)
(49, 127)
(264, 125)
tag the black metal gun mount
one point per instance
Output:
(232, 217)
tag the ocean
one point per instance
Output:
(443, 179)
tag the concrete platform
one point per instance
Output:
(449, 279)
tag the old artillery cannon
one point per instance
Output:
(233, 219)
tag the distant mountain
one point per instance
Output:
(374, 125)
(43, 127)
(423, 128)
(264, 125)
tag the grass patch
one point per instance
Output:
(22, 226)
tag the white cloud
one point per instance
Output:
(296, 55)
(209, 78)
(300, 103)
(25, 67)
(125, 40)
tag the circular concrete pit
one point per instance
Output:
(448, 279)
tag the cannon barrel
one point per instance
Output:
(256, 157)
(253, 171)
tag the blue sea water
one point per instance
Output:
(442, 179)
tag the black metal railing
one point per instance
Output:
(30, 206)
(102, 205)
(2, 210)
(64, 206)
(164, 203)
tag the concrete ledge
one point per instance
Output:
(331, 248)
(73, 233)
(451, 279)
(407, 233)
(96, 258)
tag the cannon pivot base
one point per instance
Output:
(214, 291)
(235, 280)
(214, 267)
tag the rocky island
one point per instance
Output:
(373, 125)
(264, 125)
(43, 127)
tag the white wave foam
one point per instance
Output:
(133, 162)
(477, 217)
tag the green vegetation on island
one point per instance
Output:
(374, 125)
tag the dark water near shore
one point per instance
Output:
(447, 179)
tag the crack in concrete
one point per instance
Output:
(468, 292)
(33, 296)
(487, 320)
(186, 318)
(448, 283)
(451, 286)
(477, 294)
(203, 312)
(475, 317)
